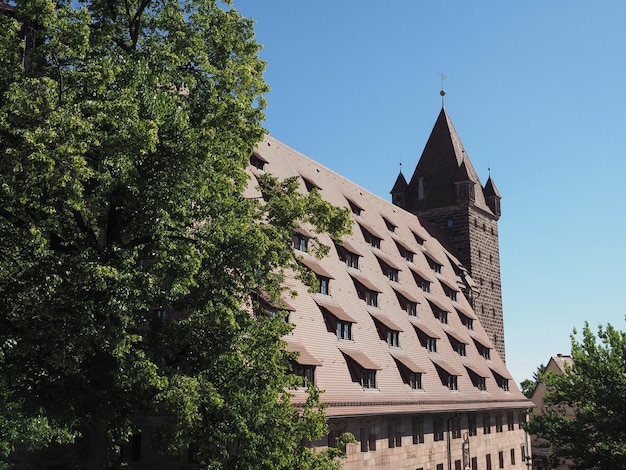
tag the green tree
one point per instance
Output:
(129, 257)
(527, 386)
(586, 406)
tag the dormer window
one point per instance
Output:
(440, 315)
(391, 227)
(344, 329)
(393, 338)
(348, 254)
(466, 321)
(324, 285)
(503, 382)
(336, 319)
(301, 242)
(368, 378)
(306, 372)
(433, 264)
(483, 350)
(426, 338)
(447, 374)
(407, 304)
(365, 289)
(310, 184)
(371, 298)
(257, 161)
(418, 239)
(354, 207)
(451, 294)
(478, 381)
(362, 368)
(374, 241)
(352, 260)
(392, 274)
(410, 372)
(422, 283)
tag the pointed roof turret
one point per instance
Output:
(433, 182)
(400, 185)
(398, 192)
(490, 188)
(492, 196)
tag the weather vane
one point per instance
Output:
(442, 92)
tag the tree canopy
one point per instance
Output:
(585, 407)
(129, 257)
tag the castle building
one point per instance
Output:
(405, 336)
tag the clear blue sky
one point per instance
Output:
(537, 93)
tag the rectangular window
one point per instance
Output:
(500, 459)
(484, 352)
(352, 260)
(408, 255)
(368, 378)
(391, 227)
(371, 298)
(438, 429)
(441, 315)
(365, 441)
(393, 338)
(373, 241)
(467, 322)
(460, 349)
(411, 308)
(486, 424)
(306, 372)
(418, 430)
(457, 465)
(481, 384)
(439, 466)
(512, 456)
(452, 382)
(394, 435)
(450, 293)
(415, 380)
(498, 423)
(474, 463)
(471, 425)
(392, 274)
(431, 344)
(488, 461)
(324, 284)
(344, 329)
(300, 242)
(456, 428)
(433, 264)
(523, 453)
(510, 421)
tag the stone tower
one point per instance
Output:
(446, 191)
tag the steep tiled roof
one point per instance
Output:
(368, 348)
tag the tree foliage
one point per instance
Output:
(585, 411)
(528, 386)
(128, 252)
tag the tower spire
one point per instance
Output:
(442, 92)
